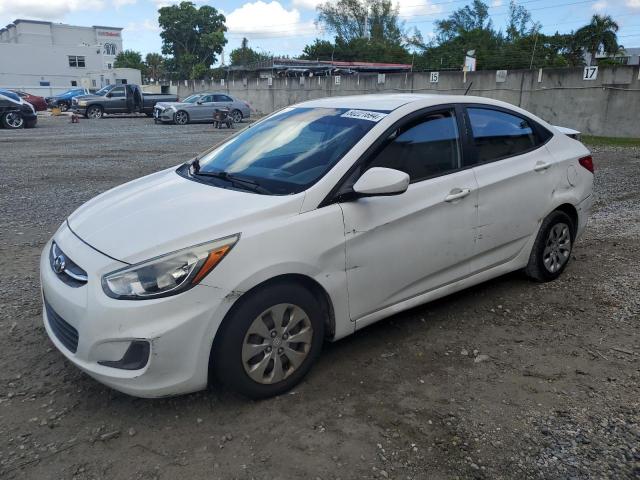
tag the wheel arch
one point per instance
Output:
(572, 212)
(317, 290)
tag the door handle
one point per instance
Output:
(456, 194)
(541, 166)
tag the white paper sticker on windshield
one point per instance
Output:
(364, 115)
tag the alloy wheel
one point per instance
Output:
(94, 112)
(276, 343)
(181, 118)
(14, 120)
(237, 116)
(557, 248)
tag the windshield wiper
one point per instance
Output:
(229, 177)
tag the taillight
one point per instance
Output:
(587, 162)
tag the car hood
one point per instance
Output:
(164, 212)
(174, 104)
(87, 97)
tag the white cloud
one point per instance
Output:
(496, 3)
(267, 19)
(599, 6)
(309, 4)
(121, 3)
(46, 9)
(147, 25)
(411, 8)
(168, 3)
(633, 3)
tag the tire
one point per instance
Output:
(552, 249)
(63, 106)
(94, 111)
(31, 123)
(237, 116)
(181, 117)
(149, 114)
(238, 349)
(12, 120)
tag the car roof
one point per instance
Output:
(391, 101)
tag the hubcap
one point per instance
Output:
(558, 247)
(181, 118)
(277, 342)
(237, 116)
(14, 120)
(94, 113)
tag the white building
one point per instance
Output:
(46, 58)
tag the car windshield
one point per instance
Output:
(103, 91)
(291, 150)
(192, 98)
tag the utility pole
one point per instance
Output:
(534, 51)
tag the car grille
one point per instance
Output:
(64, 332)
(71, 274)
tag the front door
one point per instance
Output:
(398, 247)
(118, 101)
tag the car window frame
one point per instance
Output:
(335, 195)
(228, 98)
(541, 134)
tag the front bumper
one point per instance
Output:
(161, 115)
(179, 329)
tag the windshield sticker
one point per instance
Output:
(364, 115)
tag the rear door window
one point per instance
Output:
(222, 98)
(497, 134)
(426, 148)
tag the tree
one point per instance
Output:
(599, 36)
(464, 20)
(245, 55)
(129, 59)
(518, 23)
(193, 36)
(155, 67)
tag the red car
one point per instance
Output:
(38, 103)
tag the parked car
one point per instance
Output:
(63, 100)
(200, 107)
(39, 103)
(127, 98)
(314, 222)
(15, 112)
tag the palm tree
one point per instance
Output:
(155, 66)
(599, 36)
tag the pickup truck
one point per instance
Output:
(126, 98)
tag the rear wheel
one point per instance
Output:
(237, 116)
(12, 120)
(94, 111)
(63, 106)
(270, 341)
(181, 117)
(551, 251)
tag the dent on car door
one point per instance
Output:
(516, 178)
(398, 247)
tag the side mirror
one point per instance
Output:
(381, 181)
(199, 102)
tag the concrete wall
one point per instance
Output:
(608, 105)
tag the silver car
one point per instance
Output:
(200, 107)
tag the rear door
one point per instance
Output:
(400, 246)
(516, 178)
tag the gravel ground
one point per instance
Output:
(510, 379)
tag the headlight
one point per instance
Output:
(82, 103)
(168, 274)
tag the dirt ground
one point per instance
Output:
(507, 380)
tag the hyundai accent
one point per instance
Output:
(306, 226)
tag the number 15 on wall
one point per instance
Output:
(435, 76)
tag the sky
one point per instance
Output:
(284, 27)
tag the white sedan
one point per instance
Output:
(306, 226)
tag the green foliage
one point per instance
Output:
(155, 66)
(357, 49)
(129, 59)
(245, 55)
(192, 36)
(599, 36)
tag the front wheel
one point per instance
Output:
(552, 249)
(270, 341)
(13, 120)
(181, 117)
(94, 111)
(63, 106)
